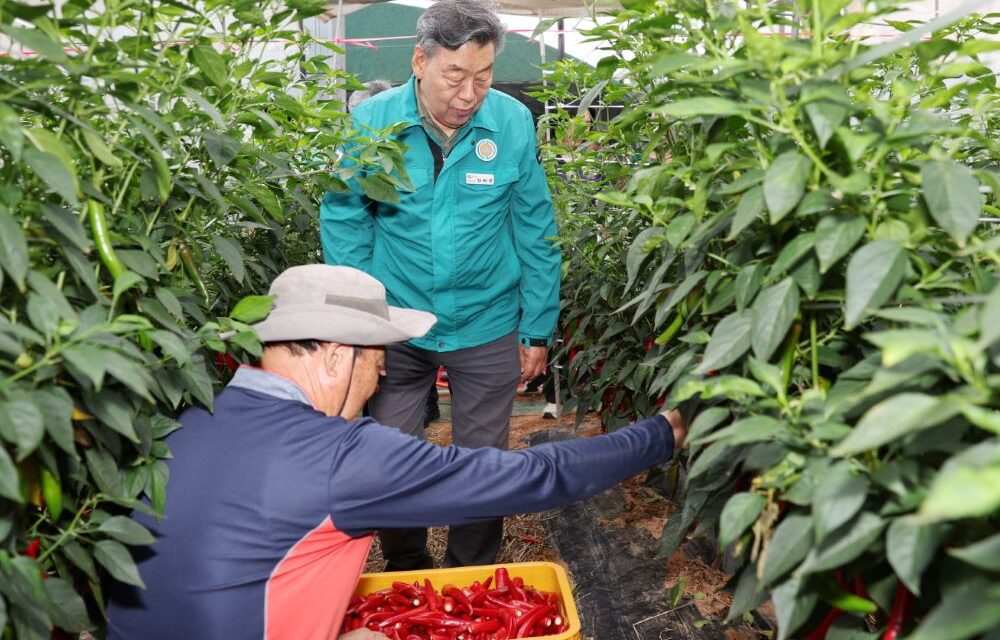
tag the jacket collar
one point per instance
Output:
(484, 118)
(270, 383)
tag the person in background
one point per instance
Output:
(372, 87)
(274, 494)
(471, 243)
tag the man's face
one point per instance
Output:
(369, 366)
(453, 84)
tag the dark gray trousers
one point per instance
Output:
(483, 381)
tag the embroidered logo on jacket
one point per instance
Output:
(486, 149)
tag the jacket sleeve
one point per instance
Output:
(384, 478)
(541, 261)
(347, 228)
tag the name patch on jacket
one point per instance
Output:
(479, 178)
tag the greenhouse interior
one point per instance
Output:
(694, 306)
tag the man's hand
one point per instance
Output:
(678, 426)
(533, 361)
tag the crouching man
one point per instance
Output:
(274, 497)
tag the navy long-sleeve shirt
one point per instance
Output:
(271, 506)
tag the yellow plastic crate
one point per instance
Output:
(545, 576)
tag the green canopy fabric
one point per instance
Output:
(518, 62)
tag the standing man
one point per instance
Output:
(470, 244)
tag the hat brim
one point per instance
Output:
(332, 323)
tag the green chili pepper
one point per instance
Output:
(192, 271)
(52, 492)
(99, 229)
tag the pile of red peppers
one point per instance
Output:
(510, 609)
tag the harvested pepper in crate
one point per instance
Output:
(508, 610)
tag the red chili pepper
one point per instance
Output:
(33, 548)
(458, 595)
(502, 579)
(902, 603)
(400, 617)
(431, 596)
(528, 620)
(485, 626)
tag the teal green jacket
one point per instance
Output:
(473, 246)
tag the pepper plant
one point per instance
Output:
(797, 240)
(158, 163)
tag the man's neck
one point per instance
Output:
(446, 131)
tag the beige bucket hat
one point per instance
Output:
(337, 304)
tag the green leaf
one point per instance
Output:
(21, 423)
(873, 275)
(232, 254)
(11, 132)
(747, 596)
(252, 309)
(222, 148)
(81, 558)
(211, 63)
(835, 236)
(962, 492)
(13, 248)
(125, 281)
(841, 494)
(772, 315)
(988, 419)
(790, 543)
(198, 383)
(791, 254)
(37, 41)
(952, 196)
(172, 346)
(127, 530)
(379, 188)
(845, 544)
(706, 421)
(678, 294)
(984, 554)
(701, 106)
(68, 225)
(104, 470)
(893, 418)
(791, 607)
(66, 608)
(206, 107)
(910, 548)
(100, 149)
(9, 483)
(748, 282)
(785, 183)
(87, 360)
(114, 557)
(826, 115)
(767, 374)
(637, 253)
(730, 340)
(964, 612)
(751, 429)
(59, 178)
(749, 208)
(989, 328)
(56, 406)
(741, 510)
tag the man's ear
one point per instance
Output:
(338, 359)
(418, 62)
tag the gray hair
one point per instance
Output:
(453, 23)
(372, 87)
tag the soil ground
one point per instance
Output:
(608, 544)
